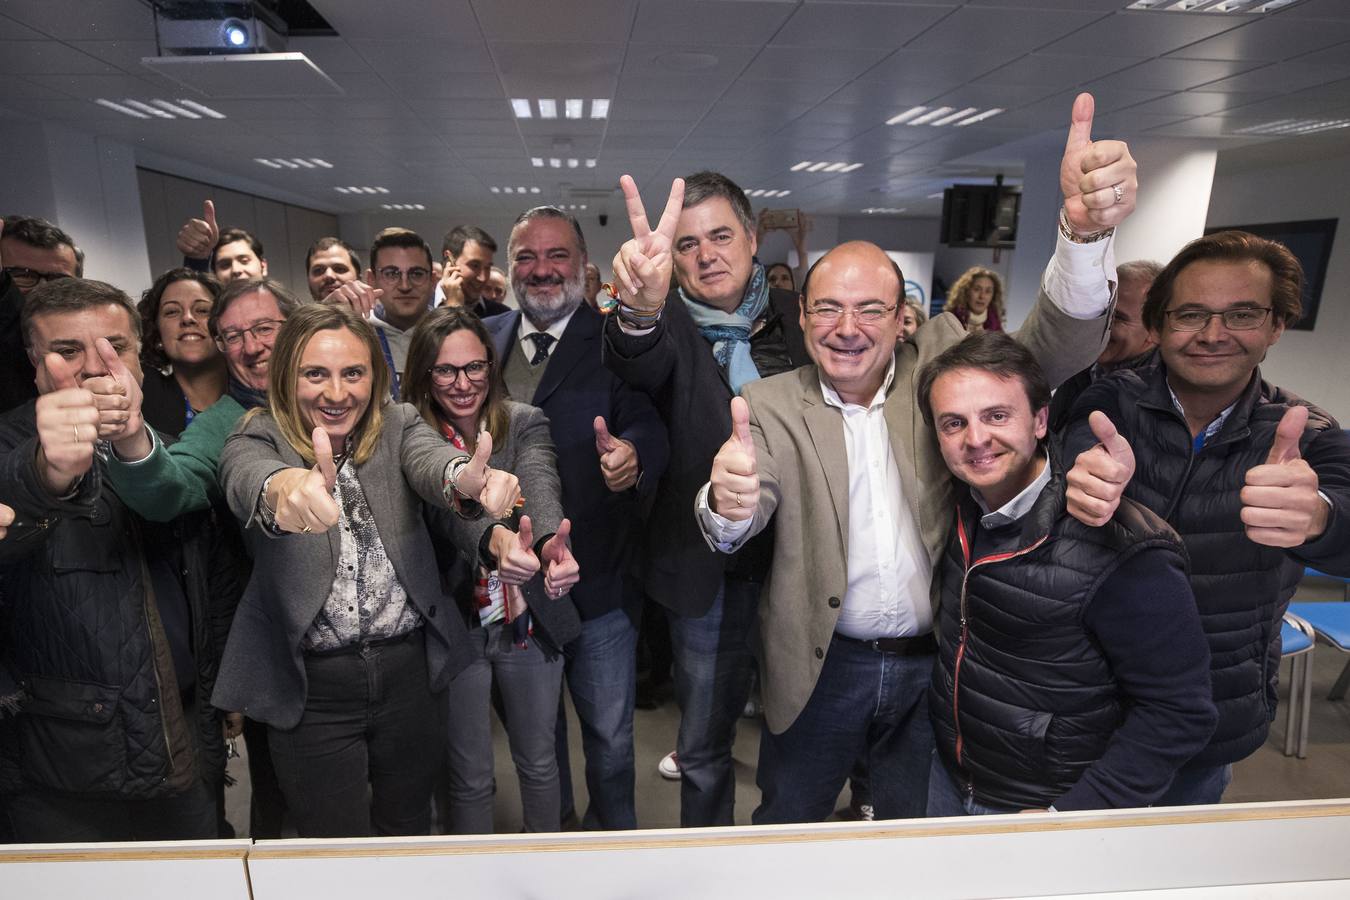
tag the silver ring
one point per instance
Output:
(1119, 191)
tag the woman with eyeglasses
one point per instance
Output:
(184, 369)
(343, 642)
(516, 633)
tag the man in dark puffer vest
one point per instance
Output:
(1072, 670)
(1255, 480)
(109, 644)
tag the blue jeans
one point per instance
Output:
(712, 683)
(1197, 786)
(602, 678)
(528, 681)
(866, 704)
(946, 798)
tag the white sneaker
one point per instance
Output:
(669, 767)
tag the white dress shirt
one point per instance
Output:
(527, 328)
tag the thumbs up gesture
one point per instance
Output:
(67, 425)
(303, 498)
(1097, 178)
(116, 394)
(1098, 478)
(495, 490)
(6, 520)
(1280, 503)
(735, 474)
(514, 552)
(197, 238)
(618, 458)
(560, 566)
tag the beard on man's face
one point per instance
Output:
(549, 298)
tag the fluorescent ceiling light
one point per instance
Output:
(287, 164)
(537, 162)
(147, 108)
(201, 108)
(599, 108)
(340, 190)
(521, 107)
(269, 163)
(176, 110)
(495, 189)
(851, 167)
(799, 166)
(907, 115)
(816, 167)
(303, 162)
(590, 163)
(554, 162)
(947, 120)
(574, 107)
(322, 163)
(931, 115)
(534, 190)
(573, 163)
(987, 114)
(548, 109)
(835, 167)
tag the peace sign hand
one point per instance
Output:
(643, 265)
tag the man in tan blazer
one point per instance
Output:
(838, 456)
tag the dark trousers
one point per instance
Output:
(866, 704)
(267, 806)
(47, 817)
(363, 759)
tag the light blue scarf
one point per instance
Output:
(729, 332)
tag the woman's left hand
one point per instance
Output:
(561, 571)
(514, 552)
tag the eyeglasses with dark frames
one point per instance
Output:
(446, 375)
(1241, 318)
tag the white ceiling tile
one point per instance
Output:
(1001, 34)
(709, 22)
(1268, 39)
(790, 64)
(1196, 103)
(774, 93)
(88, 87)
(531, 20)
(10, 30)
(106, 20)
(431, 59)
(653, 89)
(1173, 74)
(553, 69)
(125, 55)
(48, 58)
(469, 85)
(849, 26)
(1291, 76)
(364, 19)
(989, 96)
(1054, 70)
(1143, 34)
(330, 53)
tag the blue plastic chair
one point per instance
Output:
(1297, 643)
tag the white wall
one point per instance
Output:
(1313, 364)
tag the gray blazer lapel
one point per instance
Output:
(826, 428)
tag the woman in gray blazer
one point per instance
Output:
(343, 641)
(516, 634)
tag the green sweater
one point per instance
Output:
(179, 478)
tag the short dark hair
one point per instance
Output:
(457, 237)
(988, 351)
(1286, 290)
(41, 234)
(67, 295)
(548, 212)
(399, 237)
(242, 287)
(152, 354)
(328, 243)
(1138, 270)
(705, 185)
(230, 235)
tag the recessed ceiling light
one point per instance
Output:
(810, 166)
(353, 189)
(980, 117)
(799, 166)
(590, 163)
(573, 163)
(554, 162)
(323, 164)
(882, 210)
(176, 109)
(599, 108)
(908, 114)
(537, 162)
(201, 108)
(521, 107)
(574, 107)
(152, 110)
(270, 164)
(1210, 6)
(959, 114)
(548, 109)
(1295, 126)
(294, 162)
(851, 167)
(534, 190)
(932, 114)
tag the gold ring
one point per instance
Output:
(306, 530)
(77, 433)
(738, 499)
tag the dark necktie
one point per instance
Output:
(542, 342)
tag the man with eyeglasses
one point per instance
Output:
(853, 483)
(32, 251)
(1255, 479)
(1129, 346)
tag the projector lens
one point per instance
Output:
(235, 34)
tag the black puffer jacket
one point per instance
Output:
(82, 636)
(1024, 700)
(1241, 588)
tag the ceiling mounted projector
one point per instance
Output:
(213, 29)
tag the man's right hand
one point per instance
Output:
(67, 427)
(303, 498)
(1099, 476)
(643, 265)
(197, 238)
(735, 473)
(361, 297)
(6, 520)
(452, 286)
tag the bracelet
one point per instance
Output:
(1073, 237)
(637, 318)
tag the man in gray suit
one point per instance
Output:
(837, 454)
